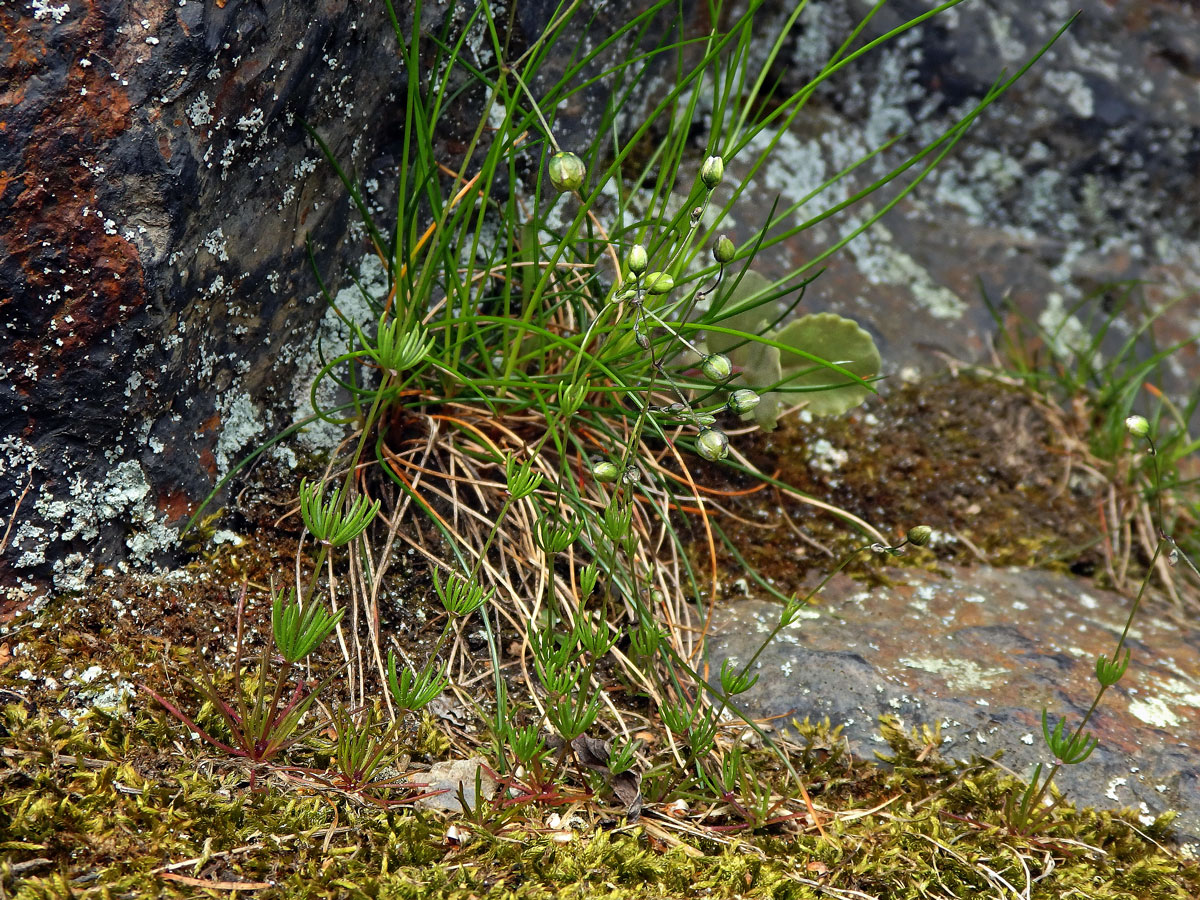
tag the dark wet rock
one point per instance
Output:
(977, 656)
(158, 192)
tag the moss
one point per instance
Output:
(111, 809)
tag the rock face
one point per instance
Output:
(158, 190)
(977, 656)
(1082, 175)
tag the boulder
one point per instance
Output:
(976, 656)
(1076, 182)
(158, 193)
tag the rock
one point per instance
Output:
(158, 191)
(977, 656)
(449, 778)
(1080, 176)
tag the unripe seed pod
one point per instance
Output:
(1138, 426)
(716, 367)
(605, 472)
(637, 260)
(660, 283)
(919, 535)
(743, 401)
(712, 444)
(705, 419)
(567, 171)
(641, 339)
(712, 171)
(723, 250)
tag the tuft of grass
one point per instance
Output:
(1095, 366)
(540, 389)
(545, 383)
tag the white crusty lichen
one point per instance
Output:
(77, 509)
(332, 338)
(1066, 335)
(241, 425)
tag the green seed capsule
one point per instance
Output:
(743, 401)
(723, 250)
(1138, 426)
(919, 535)
(716, 367)
(605, 472)
(660, 283)
(567, 172)
(712, 444)
(637, 260)
(712, 171)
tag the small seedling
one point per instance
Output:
(261, 723)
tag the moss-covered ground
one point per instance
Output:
(103, 793)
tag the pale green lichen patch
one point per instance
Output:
(350, 304)
(1154, 711)
(960, 674)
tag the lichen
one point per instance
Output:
(960, 674)
(332, 339)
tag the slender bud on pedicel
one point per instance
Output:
(675, 410)
(660, 283)
(705, 419)
(571, 397)
(712, 171)
(1138, 426)
(637, 260)
(919, 535)
(712, 444)
(567, 172)
(641, 338)
(716, 367)
(723, 250)
(743, 401)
